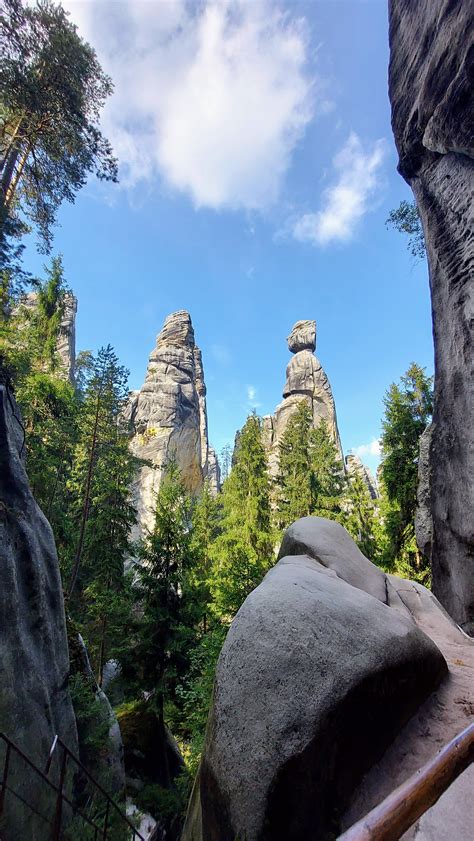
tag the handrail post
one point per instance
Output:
(4, 777)
(59, 799)
(51, 754)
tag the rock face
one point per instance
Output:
(34, 663)
(423, 518)
(169, 416)
(432, 97)
(67, 336)
(321, 668)
(355, 467)
(305, 380)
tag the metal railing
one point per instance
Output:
(61, 797)
(399, 811)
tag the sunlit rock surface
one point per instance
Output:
(169, 418)
(305, 380)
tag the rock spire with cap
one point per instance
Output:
(305, 380)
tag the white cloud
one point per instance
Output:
(372, 449)
(252, 396)
(212, 97)
(349, 198)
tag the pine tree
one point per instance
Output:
(296, 482)
(408, 408)
(107, 599)
(52, 91)
(362, 517)
(205, 528)
(329, 472)
(49, 405)
(311, 476)
(243, 552)
(165, 633)
(102, 441)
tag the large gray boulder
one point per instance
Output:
(321, 668)
(35, 704)
(169, 418)
(432, 97)
(305, 380)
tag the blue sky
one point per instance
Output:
(257, 171)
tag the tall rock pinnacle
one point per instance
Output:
(169, 417)
(305, 380)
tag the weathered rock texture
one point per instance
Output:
(322, 667)
(169, 417)
(305, 380)
(432, 97)
(34, 663)
(355, 467)
(423, 517)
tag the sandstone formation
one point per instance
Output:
(34, 663)
(305, 380)
(169, 418)
(423, 518)
(355, 467)
(432, 97)
(322, 667)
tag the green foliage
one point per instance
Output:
(101, 509)
(48, 402)
(408, 408)
(196, 693)
(406, 219)
(243, 551)
(311, 476)
(297, 485)
(52, 91)
(362, 519)
(165, 631)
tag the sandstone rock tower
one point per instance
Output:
(305, 380)
(355, 467)
(169, 417)
(432, 100)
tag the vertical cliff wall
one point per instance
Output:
(432, 97)
(169, 417)
(34, 662)
(305, 380)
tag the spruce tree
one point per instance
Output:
(329, 472)
(244, 550)
(408, 408)
(311, 476)
(102, 443)
(296, 482)
(362, 517)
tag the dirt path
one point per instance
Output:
(448, 711)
